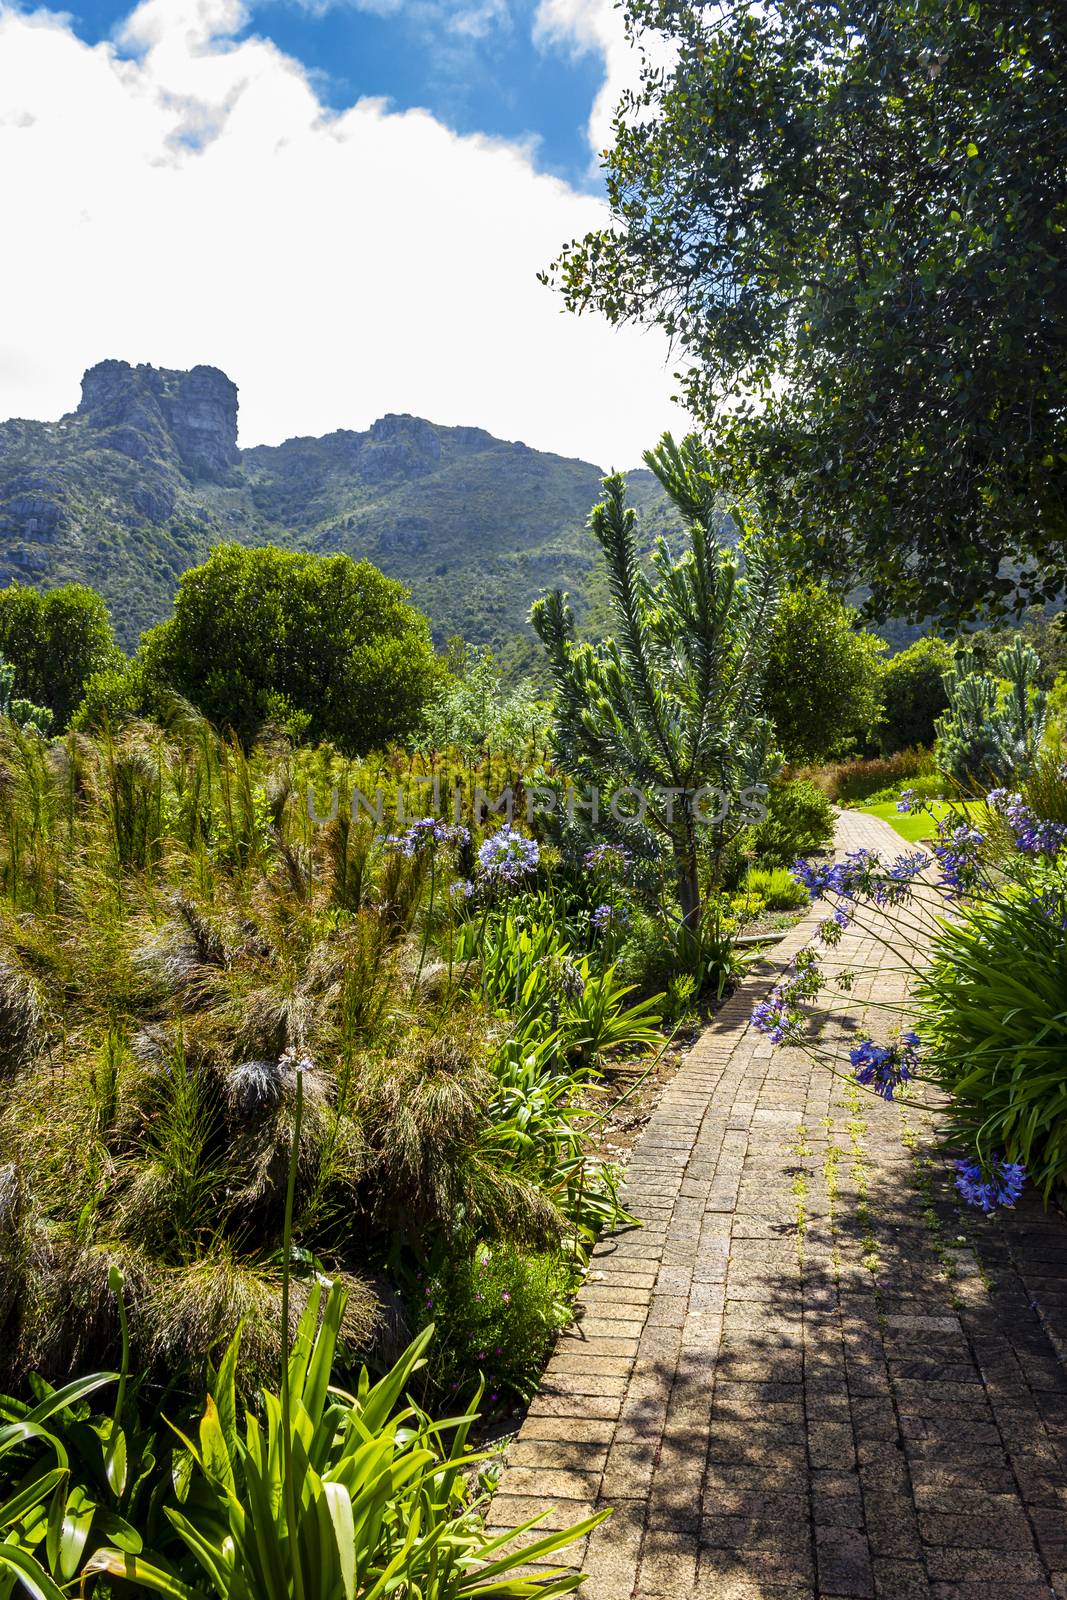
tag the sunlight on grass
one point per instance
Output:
(919, 825)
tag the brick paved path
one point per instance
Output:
(807, 1374)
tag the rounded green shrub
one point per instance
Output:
(800, 819)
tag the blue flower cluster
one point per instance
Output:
(957, 849)
(508, 856)
(780, 1016)
(998, 1184)
(885, 1068)
(862, 874)
(613, 918)
(425, 835)
(1033, 837)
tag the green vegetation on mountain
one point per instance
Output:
(145, 478)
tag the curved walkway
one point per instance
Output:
(807, 1374)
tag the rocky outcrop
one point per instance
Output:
(398, 447)
(147, 411)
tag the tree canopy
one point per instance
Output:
(823, 677)
(324, 644)
(850, 219)
(55, 641)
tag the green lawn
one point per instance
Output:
(917, 825)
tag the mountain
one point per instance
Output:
(146, 475)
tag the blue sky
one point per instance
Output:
(492, 80)
(345, 207)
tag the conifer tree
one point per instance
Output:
(670, 705)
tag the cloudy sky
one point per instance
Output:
(343, 203)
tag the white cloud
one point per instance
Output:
(596, 27)
(188, 198)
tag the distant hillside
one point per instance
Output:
(145, 476)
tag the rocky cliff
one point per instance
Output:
(151, 412)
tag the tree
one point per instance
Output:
(849, 218)
(670, 705)
(988, 735)
(914, 694)
(323, 643)
(474, 711)
(56, 641)
(22, 712)
(823, 676)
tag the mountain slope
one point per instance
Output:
(145, 476)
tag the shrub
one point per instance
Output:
(777, 888)
(56, 641)
(932, 786)
(914, 694)
(799, 821)
(269, 634)
(823, 688)
(657, 955)
(1057, 711)
(858, 780)
(498, 1310)
(991, 1012)
(112, 696)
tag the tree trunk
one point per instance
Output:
(689, 893)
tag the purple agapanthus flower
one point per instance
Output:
(909, 801)
(998, 1184)
(772, 1017)
(508, 855)
(900, 874)
(885, 1068)
(956, 848)
(610, 917)
(1033, 835)
(780, 1016)
(424, 835)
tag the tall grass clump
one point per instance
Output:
(184, 937)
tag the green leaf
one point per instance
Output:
(30, 1574)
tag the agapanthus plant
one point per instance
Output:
(508, 856)
(610, 919)
(425, 835)
(611, 860)
(975, 923)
